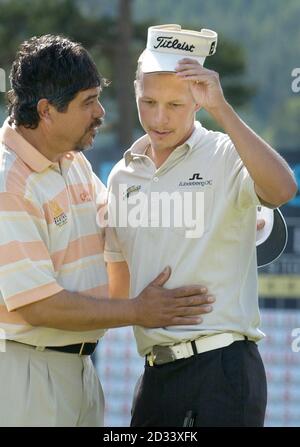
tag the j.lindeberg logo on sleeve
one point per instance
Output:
(168, 42)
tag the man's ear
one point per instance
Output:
(43, 109)
(137, 87)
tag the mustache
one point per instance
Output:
(96, 123)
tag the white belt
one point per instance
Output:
(165, 354)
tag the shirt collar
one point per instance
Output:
(28, 153)
(138, 148)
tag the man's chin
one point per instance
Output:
(87, 142)
(81, 147)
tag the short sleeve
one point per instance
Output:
(112, 248)
(100, 191)
(238, 185)
(26, 270)
(100, 197)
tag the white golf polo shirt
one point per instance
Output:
(223, 258)
(49, 237)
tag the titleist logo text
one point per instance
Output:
(167, 42)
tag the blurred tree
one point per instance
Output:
(20, 20)
(123, 72)
(286, 132)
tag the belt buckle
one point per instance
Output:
(151, 358)
(162, 354)
(81, 349)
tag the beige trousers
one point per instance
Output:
(48, 389)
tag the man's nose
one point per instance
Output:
(100, 111)
(161, 116)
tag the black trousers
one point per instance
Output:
(225, 387)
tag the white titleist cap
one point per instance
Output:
(167, 44)
(272, 239)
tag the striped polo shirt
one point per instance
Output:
(205, 170)
(49, 237)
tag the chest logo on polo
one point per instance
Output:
(59, 216)
(196, 180)
(131, 189)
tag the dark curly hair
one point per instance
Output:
(51, 67)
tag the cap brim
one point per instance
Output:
(272, 240)
(154, 61)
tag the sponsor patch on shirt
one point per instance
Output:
(59, 216)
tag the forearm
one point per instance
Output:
(274, 180)
(155, 306)
(73, 312)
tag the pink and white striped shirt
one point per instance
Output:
(49, 238)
